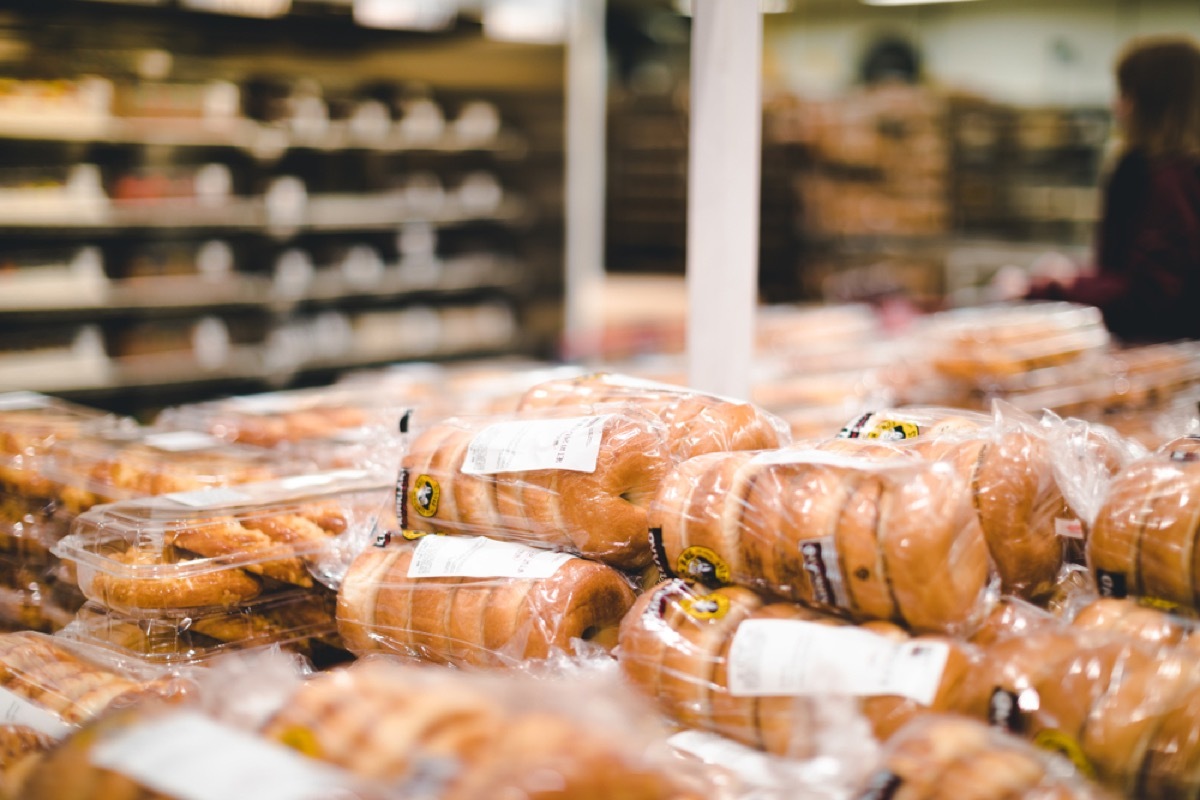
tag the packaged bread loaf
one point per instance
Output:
(893, 539)
(511, 736)
(29, 424)
(696, 422)
(1094, 696)
(1129, 617)
(301, 622)
(941, 757)
(726, 662)
(473, 601)
(120, 465)
(221, 547)
(551, 479)
(1022, 512)
(1143, 542)
(983, 344)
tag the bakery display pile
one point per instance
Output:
(516, 580)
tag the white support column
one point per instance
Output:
(587, 105)
(723, 193)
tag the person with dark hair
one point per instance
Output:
(1146, 279)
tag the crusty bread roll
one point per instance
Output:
(951, 758)
(1143, 543)
(599, 514)
(899, 543)
(476, 621)
(675, 648)
(697, 423)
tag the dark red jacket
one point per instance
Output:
(1147, 278)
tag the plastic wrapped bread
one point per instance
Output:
(1098, 698)
(221, 547)
(158, 752)
(893, 539)
(302, 622)
(474, 601)
(982, 344)
(1129, 617)
(510, 736)
(696, 422)
(1143, 542)
(1007, 463)
(726, 662)
(939, 757)
(29, 424)
(553, 479)
(100, 468)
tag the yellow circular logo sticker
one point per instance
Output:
(424, 495)
(1064, 745)
(701, 564)
(302, 740)
(709, 606)
(411, 535)
(893, 430)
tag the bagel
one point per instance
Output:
(466, 620)
(1143, 541)
(1171, 767)
(227, 587)
(1127, 617)
(600, 514)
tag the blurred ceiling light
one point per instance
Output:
(910, 2)
(419, 15)
(529, 21)
(242, 8)
(766, 6)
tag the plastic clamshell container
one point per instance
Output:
(29, 526)
(51, 685)
(180, 553)
(338, 414)
(29, 424)
(120, 465)
(297, 620)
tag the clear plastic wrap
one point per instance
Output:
(49, 687)
(940, 757)
(995, 342)
(1100, 698)
(120, 465)
(298, 621)
(1143, 542)
(1006, 460)
(1130, 618)
(696, 422)
(29, 424)
(757, 673)
(28, 527)
(550, 479)
(221, 547)
(461, 736)
(473, 601)
(892, 539)
(335, 426)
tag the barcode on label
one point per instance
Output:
(526, 445)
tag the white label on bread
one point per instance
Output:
(782, 657)
(190, 757)
(17, 711)
(477, 557)
(22, 401)
(521, 446)
(217, 497)
(263, 404)
(181, 441)
(1069, 528)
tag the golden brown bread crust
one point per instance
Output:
(208, 589)
(601, 515)
(675, 646)
(477, 621)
